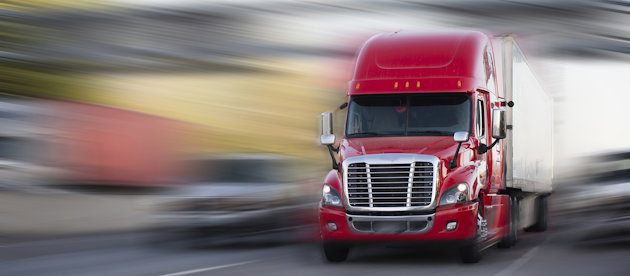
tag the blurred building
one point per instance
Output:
(219, 69)
(44, 142)
(23, 144)
(252, 76)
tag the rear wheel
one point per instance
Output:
(335, 252)
(510, 239)
(542, 215)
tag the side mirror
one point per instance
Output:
(461, 136)
(327, 137)
(498, 123)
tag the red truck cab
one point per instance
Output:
(422, 156)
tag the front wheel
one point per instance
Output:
(472, 253)
(335, 252)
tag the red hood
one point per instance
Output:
(442, 147)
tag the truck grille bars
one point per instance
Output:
(390, 182)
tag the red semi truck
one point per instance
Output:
(448, 139)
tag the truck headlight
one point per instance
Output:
(455, 194)
(330, 197)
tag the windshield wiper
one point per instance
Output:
(429, 132)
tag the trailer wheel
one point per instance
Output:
(335, 252)
(512, 236)
(471, 253)
(542, 215)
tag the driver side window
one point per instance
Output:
(481, 119)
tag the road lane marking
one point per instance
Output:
(518, 263)
(521, 261)
(192, 271)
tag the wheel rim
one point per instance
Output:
(482, 228)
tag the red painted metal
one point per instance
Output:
(464, 214)
(436, 60)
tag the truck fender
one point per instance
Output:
(469, 174)
(333, 179)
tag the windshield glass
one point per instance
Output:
(408, 115)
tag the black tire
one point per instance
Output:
(472, 253)
(510, 240)
(335, 252)
(542, 215)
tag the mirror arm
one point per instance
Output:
(331, 149)
(453, 164)
(494, 143)
(483, 148)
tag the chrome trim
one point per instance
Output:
(327, 139)
(429, 219)
(412, 171)
(368, 174)
(392, 158)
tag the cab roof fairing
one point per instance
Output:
(417, 62)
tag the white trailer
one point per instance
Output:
(529, 141)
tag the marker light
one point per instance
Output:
(418, 84)
(459, 83)
(396, 85)
(406, 84)
(326, 189)
(461, 187)
(357, 87)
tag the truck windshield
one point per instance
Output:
(408, 115)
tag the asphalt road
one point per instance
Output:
(559, 251)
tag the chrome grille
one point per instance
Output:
(388, 186)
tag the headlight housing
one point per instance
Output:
(456, 194)
(330, 197)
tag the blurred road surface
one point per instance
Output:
(559, 251)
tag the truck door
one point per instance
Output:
(484, 135)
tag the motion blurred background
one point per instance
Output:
(126, 115)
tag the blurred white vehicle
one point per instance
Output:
(230, 195)
(599, 197)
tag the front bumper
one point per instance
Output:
(434, 230)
